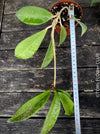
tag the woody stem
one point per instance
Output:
(54, 51)
(55, 21)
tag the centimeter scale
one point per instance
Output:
(74, 70)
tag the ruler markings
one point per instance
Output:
(74, 71)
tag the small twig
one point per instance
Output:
(48, 27)
(64, 9)
(57, 16)
(59, 13)
(71, 18)
(60, 21)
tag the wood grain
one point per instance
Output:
(20, 80)
(10, 102)
(9, 40)
(11, 23)
(85, 58)
(13, 7)
(34, 126)
(37, 80)
(1, 12)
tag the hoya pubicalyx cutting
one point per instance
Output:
(59, 17)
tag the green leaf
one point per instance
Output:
(33, 15)
(28, 47)
(31, 107)
(94, 1)
(49, 56)
(67, 103)
(84, 27)
(65, 92)
(52, 114)
(62, 35)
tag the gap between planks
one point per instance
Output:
(28, 69)
(2, 15)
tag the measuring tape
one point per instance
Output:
(74, 70)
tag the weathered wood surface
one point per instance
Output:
(9, 40)
(85, 58)
(34, 126)
(34, 80)
(11, 102)
(12, 7)
(1, 12)
(22, 79)
(11, 23)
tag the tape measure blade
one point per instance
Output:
(74, 72)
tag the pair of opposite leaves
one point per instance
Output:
(33, 15)
(33, 105)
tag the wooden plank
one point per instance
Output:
(22, 79)
(34, 126)
(10, 102)
(39, 80)
(9, 40)
(11, 23)
(12, 7)
(85, 58)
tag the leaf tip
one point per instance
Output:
(42, 66)
(85, 29)
(18, 56)
(59, 45)
(17, 14)
(70, 112)
(9, 120)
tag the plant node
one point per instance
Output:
(53, 88)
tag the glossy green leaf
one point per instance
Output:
(67, 103)
(62, 35)
(83, 26)
(31, 107)
(65, 92)
(49, 56)
(33, 15)
(52, 114)
(28, 47)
